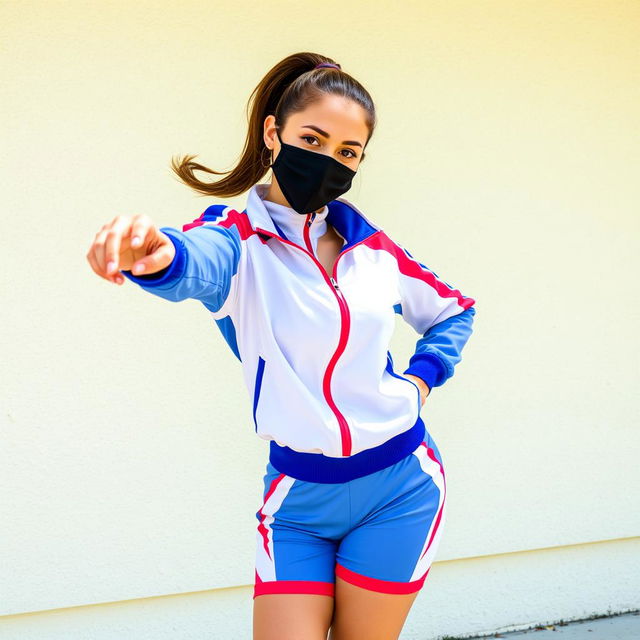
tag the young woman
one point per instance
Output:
(304, 289)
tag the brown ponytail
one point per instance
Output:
(288, 87)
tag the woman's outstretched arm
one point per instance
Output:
(201, 262)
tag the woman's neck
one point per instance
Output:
(274, 194)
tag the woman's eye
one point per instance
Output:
(350, 153)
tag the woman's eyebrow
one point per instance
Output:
(326, 135)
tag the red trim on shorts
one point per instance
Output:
(264, 532)
(293, 586)
(383, 586)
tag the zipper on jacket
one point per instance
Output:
(345, 324)
(305, 233)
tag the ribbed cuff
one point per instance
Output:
(429, 368)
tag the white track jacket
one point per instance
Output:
(314, 346)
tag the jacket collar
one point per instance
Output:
(292, 226)
(341, 214)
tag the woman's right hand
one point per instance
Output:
(129, 242)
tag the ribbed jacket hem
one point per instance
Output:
(316, 467)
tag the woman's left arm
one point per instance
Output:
(438, 311)
(439, 350)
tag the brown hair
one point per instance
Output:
(288, 87)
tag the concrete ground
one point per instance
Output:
(620, 627)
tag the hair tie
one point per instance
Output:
(335, 65)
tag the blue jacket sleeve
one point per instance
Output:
(204, 267)
(440, 348)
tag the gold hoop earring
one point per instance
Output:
(266, 166)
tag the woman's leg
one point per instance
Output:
(382, 563)
(360, 613)
(291, 616)
(299, 526)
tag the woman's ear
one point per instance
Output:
(269, 128)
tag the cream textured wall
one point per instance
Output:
(506, 158)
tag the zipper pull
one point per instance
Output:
(334, 283)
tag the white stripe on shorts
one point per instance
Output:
(430, 546)
(265, 561)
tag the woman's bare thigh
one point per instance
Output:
(361, 613)
(291, 616)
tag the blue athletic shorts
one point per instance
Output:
(379, 531)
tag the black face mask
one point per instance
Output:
(309, 179)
